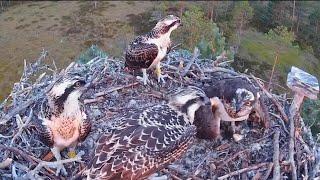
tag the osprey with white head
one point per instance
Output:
(146, 51)
(65, 122)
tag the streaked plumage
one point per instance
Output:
(239, 96)
(146, 51)
(142, 142)
(65, 122)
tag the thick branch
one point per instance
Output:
(276, 165)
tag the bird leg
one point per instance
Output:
(144, 79)
(158, 73)
(233, 127)
(56, 152)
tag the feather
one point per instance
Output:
(84, 129)
(140, 54)
(44, 133)
(135, 146)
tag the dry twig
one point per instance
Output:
(54, 164)
(234, 173)
(115, 89)
(232, 158)
(291, 148)
(195, 56)
(276, 152)
(22, 127)
(283, 114)
(267, 174)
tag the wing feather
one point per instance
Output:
(137, 147)
(85, 126)
(84, 129)
(44, 133)
(140, 54)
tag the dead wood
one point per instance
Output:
(206, 159)
(280, 108)
(234, 173)
(276, 152)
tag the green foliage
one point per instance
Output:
(282, 34)
(201, 32)
(262, 18)
(90, 53)
(311, 114)
(305, 24)
(162, 8)
(256, 47)
(242, 14)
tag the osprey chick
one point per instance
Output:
(65, 123)
(142, 142)
(148, 50)
(238, 100)
(242, 103)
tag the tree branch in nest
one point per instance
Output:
(291, 148)
(196, 54)
(276, 152)
(115, 89)
(234, 173)
(22, 127)
(232, 158)
(54, 164)
(21, 153)
(269, 95)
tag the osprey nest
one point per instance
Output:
(266, 146)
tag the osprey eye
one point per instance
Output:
(78, 84)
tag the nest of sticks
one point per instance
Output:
(260, 153)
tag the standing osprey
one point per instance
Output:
(65, 123)
(148, 50)
(142, 142)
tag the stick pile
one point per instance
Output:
(262, 153)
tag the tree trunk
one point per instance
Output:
(216, 15)
(298, 23)
(241, 24)
(95, 4)
(211, 14)
(240, 31)
(293, 12)
(181, 8)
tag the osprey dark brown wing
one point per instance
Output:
(140, 54)
(139, 144)
(84, 129)
(85, 126)
(44, 133)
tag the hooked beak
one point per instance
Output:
(179, 23)
(238, 107)
(207, 101)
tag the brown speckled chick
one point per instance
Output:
(143, 142)
(65, 122)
